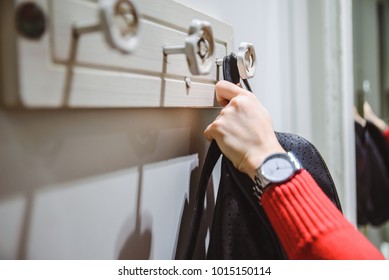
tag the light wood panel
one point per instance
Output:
(99, 76)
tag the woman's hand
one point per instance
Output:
(243, 130)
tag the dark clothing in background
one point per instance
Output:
(372, 168)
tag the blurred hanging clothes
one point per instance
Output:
(386, 134)
(372, 167)
(370, 115)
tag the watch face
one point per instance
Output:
(277, 169)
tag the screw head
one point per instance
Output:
(249, 59)
(30, 20)
(126, 19)
(203, 46)
(188, 82)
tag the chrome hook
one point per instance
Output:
(199, 48)
(119, 21)
(241, 66)
(247, 60)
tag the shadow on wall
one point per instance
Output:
(200, 251)
(138, 244)
(80, 179)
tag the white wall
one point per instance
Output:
(96, 184)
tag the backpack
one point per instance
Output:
(240, 228)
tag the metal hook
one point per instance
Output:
(247, 60)
(199, 48)
(119, 22)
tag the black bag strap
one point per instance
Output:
(231, 74)
(211, 159)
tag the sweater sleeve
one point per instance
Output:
(309, 225)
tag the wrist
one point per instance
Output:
(276, 169)
(255, 158)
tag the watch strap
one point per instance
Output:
(261, 183)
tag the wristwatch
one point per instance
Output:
(275, 169)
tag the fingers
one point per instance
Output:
(207, 133)
(211, 131)
(216, 129)
(225, 91)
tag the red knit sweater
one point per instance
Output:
(309, 226)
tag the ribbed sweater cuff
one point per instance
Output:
(300, 212)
